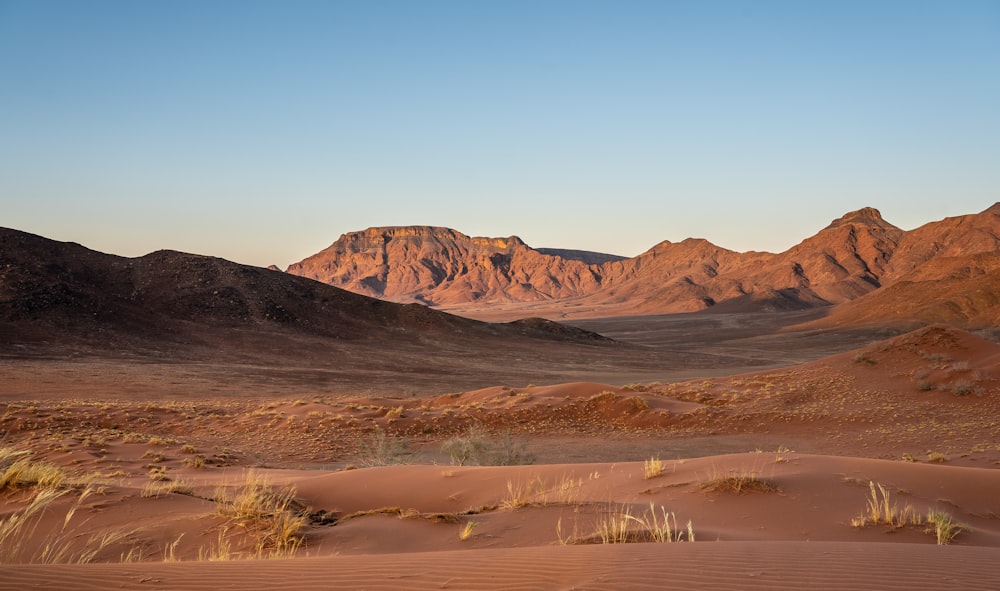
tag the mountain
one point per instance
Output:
(58, 297)
(855, 255)
(440, 266)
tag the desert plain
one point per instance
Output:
(181, 422)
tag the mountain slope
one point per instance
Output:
(856, 254)
(62, 293)
(962, 291)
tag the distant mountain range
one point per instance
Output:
(856, 255)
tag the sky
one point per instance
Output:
(261, 131)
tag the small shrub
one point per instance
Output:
(864, 358)
(962, 389)
(507, 451)
(467, 449)
(924, 386)
(476, 448)
(382, 449)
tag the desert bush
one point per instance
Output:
(468, 448)
(382, 449)
(475, 447)
(962, 389)
(864, 358)
(508, 451)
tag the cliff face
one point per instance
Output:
(855, 255)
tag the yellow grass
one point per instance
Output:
(273, 517)
(62, 544)
(653, 467)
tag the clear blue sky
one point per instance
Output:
(261, 131)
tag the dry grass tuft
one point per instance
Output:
(62, 544)
(521, 494)
(273, 517)
(944, 529)
(881, 510)
(617, 524)
(653, 467)
(18, 470)
(466, 532)
(738, 482)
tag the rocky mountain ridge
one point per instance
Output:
(854, 255)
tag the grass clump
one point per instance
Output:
(18, 470)
(653, 467)
(273, 517)
(944, 529)
(466, 532)
(521, 494)
(618, 524)
(881, 510)
(738, 482)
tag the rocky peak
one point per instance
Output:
(865, 215)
